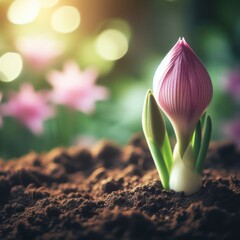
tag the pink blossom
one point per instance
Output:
(232, 129)
(233, 84)
(75, 88)
(183, 88)
(29, 107)
(39, 51)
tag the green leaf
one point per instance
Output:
(166, 151)
(204, 146)
(159, 163)
(197, 139)
(152, 120)
(157, 138)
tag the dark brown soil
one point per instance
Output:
(110, 192)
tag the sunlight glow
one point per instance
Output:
(66, 19)
(10, 66)
(111, 44)
(48, 3)
(23, 11)
(121, 25)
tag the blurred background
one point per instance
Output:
(75, 72)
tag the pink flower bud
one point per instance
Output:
(183, 90)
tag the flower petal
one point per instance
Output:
(182, 87)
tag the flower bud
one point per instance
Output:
(183, 90)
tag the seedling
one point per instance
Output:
(182, 89)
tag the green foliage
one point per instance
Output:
(157, 138)
(204, 146)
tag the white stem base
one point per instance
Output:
(183, 176)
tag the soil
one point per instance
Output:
(112, 192)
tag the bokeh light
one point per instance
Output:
(89, 56)
(48, 3)
(119, 24)
(10, 66)
(23, 11)
(111, 44)
(65, 19)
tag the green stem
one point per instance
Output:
(203, 119)
(183, 141)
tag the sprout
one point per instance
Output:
(154, 130)
(183, 90)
